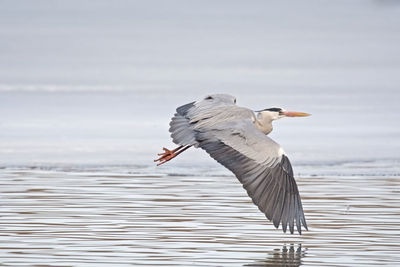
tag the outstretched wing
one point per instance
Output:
(181, 127)
(258, 162)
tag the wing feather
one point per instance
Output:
(267, 178)
(228, 134)
(181, 129)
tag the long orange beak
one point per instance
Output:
(295, 114)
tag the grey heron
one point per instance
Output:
(237, 138)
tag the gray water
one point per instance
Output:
(87, 90)
(120, 216)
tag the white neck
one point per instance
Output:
(264, 122)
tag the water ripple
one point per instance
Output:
(84, 217)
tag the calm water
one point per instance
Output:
(135, 215)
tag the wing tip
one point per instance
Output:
(182, 110)
(276, 224)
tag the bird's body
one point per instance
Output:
(237, 138)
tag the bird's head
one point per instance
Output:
(277, 113)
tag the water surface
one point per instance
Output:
(132, 215)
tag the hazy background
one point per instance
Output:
(96, 82)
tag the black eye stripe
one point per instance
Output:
(274, 109)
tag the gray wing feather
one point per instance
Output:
(240, 133)
(262, 168)
(181, 131)
(181, 128)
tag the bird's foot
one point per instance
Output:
(167, 155)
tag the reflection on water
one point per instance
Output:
(122, 216)
(286, 256)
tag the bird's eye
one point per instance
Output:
(208, 98)
(234, 101)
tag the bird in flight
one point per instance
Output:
(237, 138)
